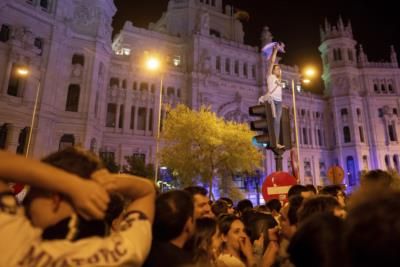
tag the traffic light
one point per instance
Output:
(265, 125)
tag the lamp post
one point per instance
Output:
(24, 72)
(154, 64)
(309, 72)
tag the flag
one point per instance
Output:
(269, 48)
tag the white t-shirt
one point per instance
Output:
(227, 260)
(274, 86)
(21, 244)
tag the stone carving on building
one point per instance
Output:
(205, 23)
(233, 110)
(266, 36)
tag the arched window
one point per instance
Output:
(390, 88)
(387, 162)
(3, 135)
(351, 171)
(78, 59)
(22, 140)
(121, 117)
(141, 118)
(392, 132)
(383, 88)
(346, 134)
(339, 54)
(365, 163)
(124, 84)
(170, 91)
(114, 81)
(350, 54)
(67, 140)
(245, 73)
(93, 145)
(376, 88)
(144, 87)
(396, 163)
(218, 63)
(74, 91)
(319, 137)
(45, 4)
(15, 83)
(5, 33)
(360, 129)
(111, 114)
(236, 67)
(227, 65)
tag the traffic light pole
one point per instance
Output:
(278, 158)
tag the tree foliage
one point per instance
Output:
(200, 146)
(137, 166)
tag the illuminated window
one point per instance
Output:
(176, 61)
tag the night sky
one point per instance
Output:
(296, 23)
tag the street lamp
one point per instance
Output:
(153, 63)
(308, 73)
(24, 72)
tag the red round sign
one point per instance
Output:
(276, 185)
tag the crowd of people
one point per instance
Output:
(76, 213)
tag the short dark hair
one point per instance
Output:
(75, 160)
(274, 204)
(173, 209)
(377, 176)
(219, 207)
(311, 188)
(227, 200)
(295, 203)
(318, 242)
(244, 205)
(196, 190)
(296, 189)
(331, 190)
(225, 221)
(373, 230)
(318, 204)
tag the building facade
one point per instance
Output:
(97, 93)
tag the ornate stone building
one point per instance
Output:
(97, 93)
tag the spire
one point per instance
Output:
(362, 58)
(349, 27)
(340, 24)
(321, 33)
(266, 36)
(327, 25)
(393, 57)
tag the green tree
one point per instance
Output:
(111, 165)
(137, 166)
(202, 147)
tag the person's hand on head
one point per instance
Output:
(246, 247)
(90, 200)
(106, 179)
